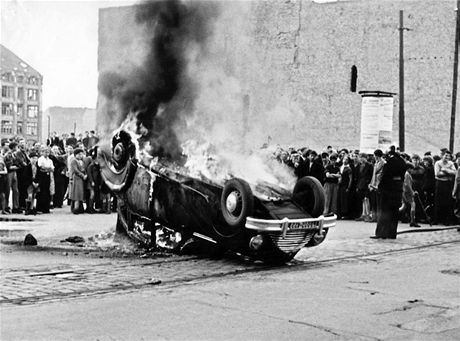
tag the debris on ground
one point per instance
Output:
(74, 240)
(30, 240)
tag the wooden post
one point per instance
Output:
(401, 82)
(454, 85)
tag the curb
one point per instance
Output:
(431, 229)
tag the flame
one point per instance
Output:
(256, 167)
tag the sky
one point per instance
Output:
(59, 39)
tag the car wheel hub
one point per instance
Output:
(232, 201)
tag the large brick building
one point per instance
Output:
(293, 62)
(21, 98)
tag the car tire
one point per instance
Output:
(316, 239)
(237, 203)
(309, 194)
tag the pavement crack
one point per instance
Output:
(371, 292)
(329, 330)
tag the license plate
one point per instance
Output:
(303, 226)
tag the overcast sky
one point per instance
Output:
(59, 40)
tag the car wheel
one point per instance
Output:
(317, 239)
(309, 194)
(237, 203)
(118, 168)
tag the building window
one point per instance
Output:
(20, 79)
(7, 127)
(7, 91)
(32, 94)
(31, 128)
(32, 111)
(20, 111)
(19, 128)
(7, 109)
(354, 78)
(7, 77)
(33, 80)
(20, 94)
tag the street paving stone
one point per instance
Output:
(20, 286)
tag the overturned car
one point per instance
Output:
(156, 201)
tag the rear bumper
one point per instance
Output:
(284, 225)
(290, 235)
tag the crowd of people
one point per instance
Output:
(40, 177)
(357, 185)
(425, 188)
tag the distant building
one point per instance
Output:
(68, 120)
(21, 98)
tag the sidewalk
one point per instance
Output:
(50, 229)
(350, 238)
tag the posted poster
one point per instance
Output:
(376, 123)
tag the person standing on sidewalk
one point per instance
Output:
(391, 188)
(375, 181)
(345, 188)
(408, 196)
(69, 156)
(30, 179)
(11, 162)
(93, 183)
(78, 173)
(3, 184)
(23, 162)
(60, 178)
(331, 185)
(45, 179)
(444, 171)
(364, 176)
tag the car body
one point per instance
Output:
(269, 223)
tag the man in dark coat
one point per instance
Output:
(391, 188)
(30, 180)
(363, 179)
(298, 163)
(22, 162)
(314, 166)
(71, 141)
(60, 179)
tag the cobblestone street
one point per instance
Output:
(34, 284)
(117, 284)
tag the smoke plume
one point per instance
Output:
(156, 93)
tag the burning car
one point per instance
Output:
(265, 222)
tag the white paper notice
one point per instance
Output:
(376, 123)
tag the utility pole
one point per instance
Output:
(454, 85)
(401, 81)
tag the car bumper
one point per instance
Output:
(290, 235)
(285, 225)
